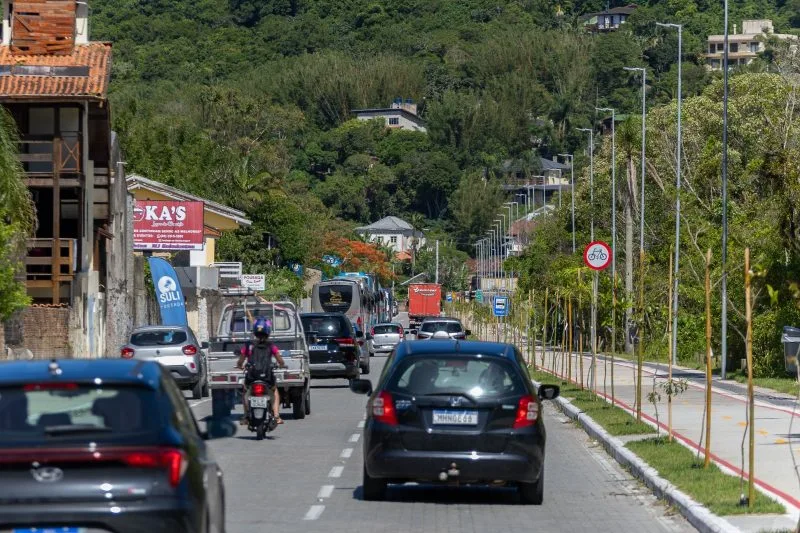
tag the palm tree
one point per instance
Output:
(628, 139)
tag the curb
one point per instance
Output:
(696, 514)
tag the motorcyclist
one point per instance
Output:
(261, 331)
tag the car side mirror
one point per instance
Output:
(204, 345)
(549, 392)
(219, 428)
(369, 336)
(361, 386)
(359, 334)
(467, 332)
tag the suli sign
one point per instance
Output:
(167, 225)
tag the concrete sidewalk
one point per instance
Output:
(777, 424)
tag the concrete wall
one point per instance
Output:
(46, 331)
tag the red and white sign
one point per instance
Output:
(167, 225)
(597, 255)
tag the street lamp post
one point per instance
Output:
(678, 156)
(613, 244)
(724, 285)
(595, 273)
(572, 193)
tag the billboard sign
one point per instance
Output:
(167, 225)
(255, 282)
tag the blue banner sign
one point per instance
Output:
(168, 293)
(331, 260)
(297, 268)
(500, 305)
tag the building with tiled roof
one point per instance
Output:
(395, 233)
(54, 83)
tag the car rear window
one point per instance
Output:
(389, 328)
(326, 326)
(161, 337)
(336, 297)
(449, 327)
(473, 377)
(76, 413)
(241, 322)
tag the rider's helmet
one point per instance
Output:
(262, 327)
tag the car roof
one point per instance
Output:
(322, 314)
(117, 371)
(388, 324)
(440, 319)
(455, 348)
(160, 328)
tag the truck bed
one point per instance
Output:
(222, 371)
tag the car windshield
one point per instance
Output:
(386, 328)
(160, 337)
(75, 412)
(325, 326)
(242, 321)
(473, 377)
(449, 327)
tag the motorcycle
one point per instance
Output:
(259, 413)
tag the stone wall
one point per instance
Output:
(46, 331)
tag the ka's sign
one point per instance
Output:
(166, 225)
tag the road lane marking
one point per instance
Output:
(361, 424)
(325, 491)
(354, 437)
(198, 402)
(336, 471)
(346, 453)
(314, 512)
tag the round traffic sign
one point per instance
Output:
(597, 255)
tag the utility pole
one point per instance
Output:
(678, 156)
(724, 285)
(595, 273)
(437, 261)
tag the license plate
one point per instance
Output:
(48, 530)
(455, 418)
(318, 348)
(258, 401)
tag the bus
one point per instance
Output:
(346, 296)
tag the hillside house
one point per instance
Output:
(743, 47)
(402, 114)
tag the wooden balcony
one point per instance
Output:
(48, 160)
(49, 266)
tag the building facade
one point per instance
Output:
(394, 233)
(402, 114)
(608, 20)
(743, 47)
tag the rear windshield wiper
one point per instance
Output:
(75, 428)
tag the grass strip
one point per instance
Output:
(785, 385)
(711, 487)
(615, 420)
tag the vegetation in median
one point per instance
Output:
(615, 420)
(785, 385)
(711, 487)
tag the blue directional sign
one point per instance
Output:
(500, 305)
(449, 297)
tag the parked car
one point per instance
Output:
(454, 412)
(333, 345)
(433, 325)
(148, 467)
(384, 337)
(175, 347)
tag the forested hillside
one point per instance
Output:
(249, 102)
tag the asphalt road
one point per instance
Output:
(307, 477)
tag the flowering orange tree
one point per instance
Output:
(359, 256)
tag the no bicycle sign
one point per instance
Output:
(597, 255)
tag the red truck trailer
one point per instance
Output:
(424, 299)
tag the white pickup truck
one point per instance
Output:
(233, 333)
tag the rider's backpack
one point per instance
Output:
(260, 362)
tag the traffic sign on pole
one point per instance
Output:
(500, 306)
(597, 255)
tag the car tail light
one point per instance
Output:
(346, 341)
(359, 322)
(259, 389)
(383, 409)
(127, 353)
(401, 332)
(361, 342)
(190, 349)
(527, 412)
(372, 331)
(173, 460)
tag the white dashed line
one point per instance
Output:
(361, 424)
(346, 453)
(354, 437)
(336, 471)
(325, 491)
(314, 512)
(198, 402)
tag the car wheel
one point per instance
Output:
(365, 369)
(532, 493)
(298, 406)
(373, 489)
(308, 402)
(206, 391)
(197, 390)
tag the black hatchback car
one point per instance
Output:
(460, 412)
(101, 446)
(334, 345)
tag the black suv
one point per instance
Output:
(334, 346)
(108, 445)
